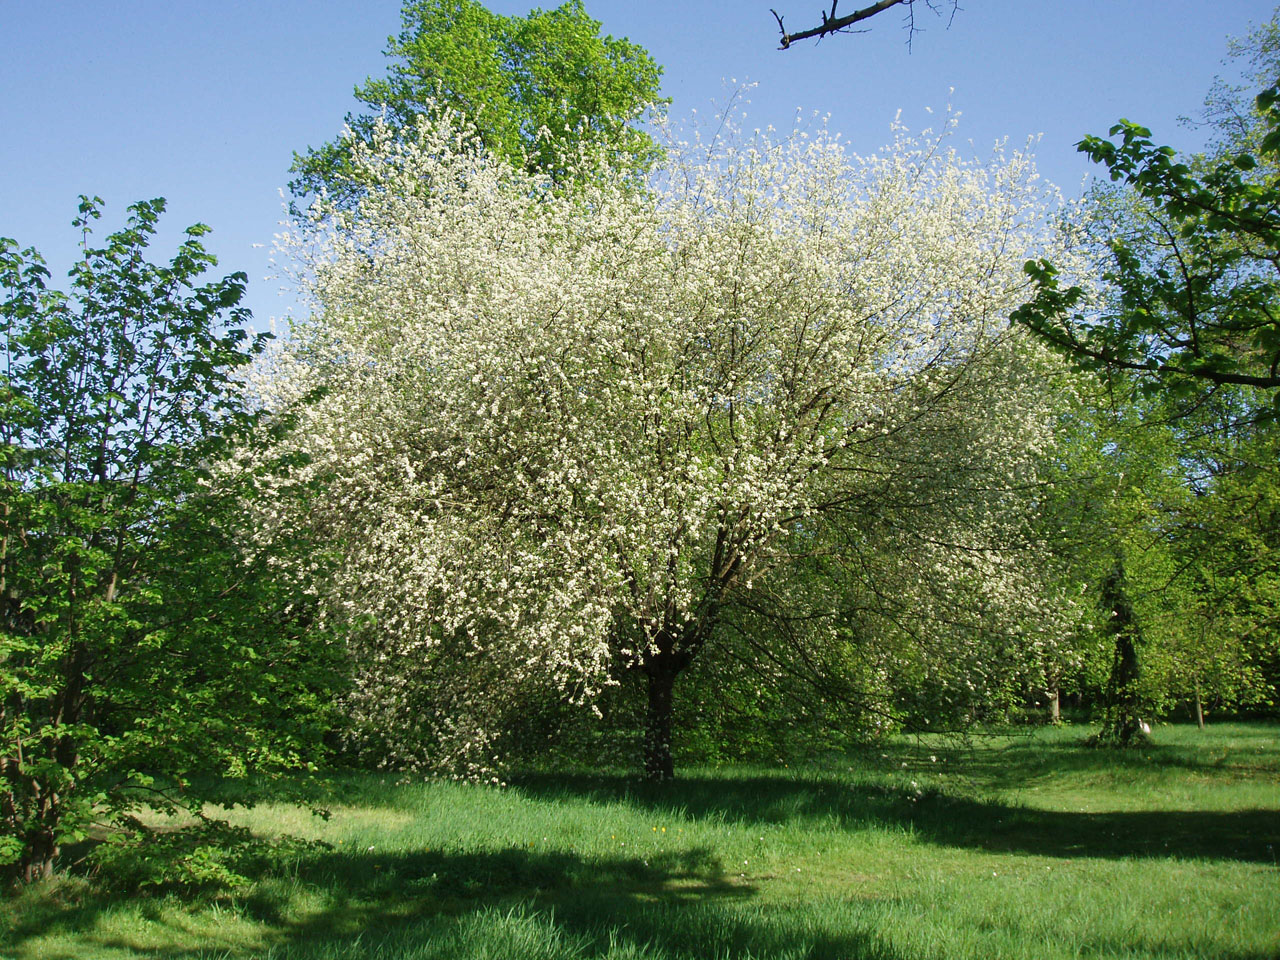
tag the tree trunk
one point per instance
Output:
(35, 802)
(1055, 707)
(1199, 709)
(31, 815)
(1122, 723)
(40, 854)
(658, 765)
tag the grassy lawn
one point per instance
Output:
(1029, 846)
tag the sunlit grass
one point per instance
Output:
(1028, 846)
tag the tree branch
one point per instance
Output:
(831, 23)
(1073, 345)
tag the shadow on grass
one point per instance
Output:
(1251, 836)
(1011, 762)
(515, 903)
(529, 904)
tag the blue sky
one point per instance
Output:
(204, 103)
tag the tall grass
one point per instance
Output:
(1027, 846)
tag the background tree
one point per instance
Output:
(1187, 313)
(533, 86)
(1227, 551)
(1144, 503)
(145, 637)
(572, 432)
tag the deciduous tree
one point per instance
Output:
(1188, 250)
(533, 85)
(145, 637)
(1186, 246)
(571, 430)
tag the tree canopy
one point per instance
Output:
(1191, 271)
(573, 431)
(1183, 331)
(533, 86)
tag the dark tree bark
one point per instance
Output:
(662, 671)
(831, 23)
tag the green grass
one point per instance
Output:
(1028, 846)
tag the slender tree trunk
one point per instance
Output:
(1122, 724)
(1055, 706)
(1199, 709)
(658, 764)
(11, 811)
(45, 795)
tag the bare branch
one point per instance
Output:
(834, 24)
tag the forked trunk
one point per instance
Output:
(40, 855)
(35, 800)
(32, 816)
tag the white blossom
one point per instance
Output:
(558, 425)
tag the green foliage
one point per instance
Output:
(1173, 472)
(1229, 547)
(1173, 502)
(206, 856)
(145, 635)
(534, 87)
(1191, 279)
(734, 705)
